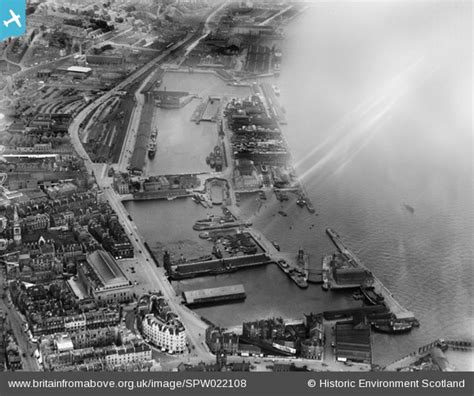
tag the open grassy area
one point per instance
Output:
(7, 68)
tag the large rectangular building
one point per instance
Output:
(353, 342)
(104, 280)
(79, 71)
(214, 295)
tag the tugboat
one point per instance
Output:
(298, 277)
(301, 202)
(310, 207)
(283, 265)
(371, 296)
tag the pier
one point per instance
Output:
(441, 344)
(393, 305)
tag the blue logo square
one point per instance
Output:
(12, 18)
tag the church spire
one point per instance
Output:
(16, 227)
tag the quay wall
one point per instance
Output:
(345, 313)
(152, 254)
(161, 194)
(210, 267)
(393, 305)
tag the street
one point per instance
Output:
(16, 323)
(156, 279)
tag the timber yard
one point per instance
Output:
(192, 116)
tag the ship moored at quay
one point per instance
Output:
(152, 144)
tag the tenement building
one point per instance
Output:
(166, 333)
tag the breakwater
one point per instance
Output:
(393, 305)
(425, 349)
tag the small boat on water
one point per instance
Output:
(310, 207)
(281, 212)
(276, 245)
(393, 327)
(301, 202)
(283, 265)
(411, 209)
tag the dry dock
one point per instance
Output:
(393, 305)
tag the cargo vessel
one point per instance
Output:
(371, 296)
(393, 327)
(152, 144)
(284, 266)
(299, 278)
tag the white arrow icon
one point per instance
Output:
(15, 18)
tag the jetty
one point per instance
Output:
(393, 305)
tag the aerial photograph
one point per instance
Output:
(247, 186)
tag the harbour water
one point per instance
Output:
(182, 145)
(378, 102)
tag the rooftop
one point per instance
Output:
(202, 294)
(106, 269)
(79, 69)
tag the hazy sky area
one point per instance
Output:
(401, 61)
